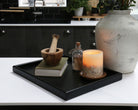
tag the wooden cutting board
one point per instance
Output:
(16, 11)
(24, 8)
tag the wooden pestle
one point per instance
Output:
(53, 46)
(52, 55)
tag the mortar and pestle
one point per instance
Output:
(52, 55)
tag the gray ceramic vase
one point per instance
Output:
(79, 11)
(117, 37)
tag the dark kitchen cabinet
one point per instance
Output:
(12, 42)
(86, 36)
(40, 37)
(30, 40)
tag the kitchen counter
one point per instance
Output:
(16, 90)
(73, 23)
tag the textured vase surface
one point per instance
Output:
(117, 37)
(79, 11)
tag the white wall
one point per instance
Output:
(137, 3)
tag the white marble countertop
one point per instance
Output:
(73, 23)
(16, 90)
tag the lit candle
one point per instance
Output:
(92, 64)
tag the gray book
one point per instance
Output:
(51, 71)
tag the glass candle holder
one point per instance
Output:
(92, 64)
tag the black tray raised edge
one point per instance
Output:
(70, 94)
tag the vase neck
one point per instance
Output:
(120, 12)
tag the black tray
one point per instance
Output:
(70, 85)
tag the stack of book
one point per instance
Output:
(51, 71)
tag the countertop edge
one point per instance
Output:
(73, 23)
(71, 104)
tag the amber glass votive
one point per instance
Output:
(92, 64)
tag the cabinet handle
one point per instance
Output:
(2, 19)
(2, 32)
(68, 31)
(92, 32)
(94, 44)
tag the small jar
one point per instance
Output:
(77, 57)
